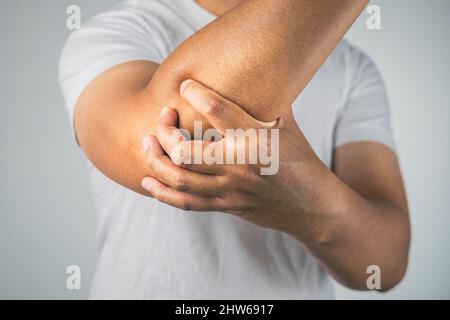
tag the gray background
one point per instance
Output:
(47, 217)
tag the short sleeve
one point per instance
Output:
(365, 115)
(119, 35)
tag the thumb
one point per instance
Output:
(220, 112)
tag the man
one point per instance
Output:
(337, 202)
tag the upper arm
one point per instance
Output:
(364, 154)
(112, 115)
(372, 170)
(111, 98)
(113, 112)
(104, 70)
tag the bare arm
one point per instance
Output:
(261, 54)
(371, 226)
(351, 219)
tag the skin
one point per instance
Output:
(262, 86)
(244, 65)
(244, 62)
(349, 219)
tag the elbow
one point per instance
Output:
(381, 282)
(395, 266)
(395, 277)
(399, 268)
(382, 277)
(394, 273)
(399, 261)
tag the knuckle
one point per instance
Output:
(176, 138)
(220, 204)
(177, 154)
(228, 181)
(185, 205)
(179, 137)
(180, 183)
(251, 180)
(214, 106)
(159, 195)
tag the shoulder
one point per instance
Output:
(132, 30)
(350, 60)
(125, 22)
(131, 26)
(338, 74)
(349, 54)
(354, 69)
(359, 65)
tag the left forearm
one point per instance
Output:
(331, 213)
(357, 234)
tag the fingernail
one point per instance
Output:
(163, 112)
(147, 184)
(146, 143)
(184, 85)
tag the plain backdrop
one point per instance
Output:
(47, 217)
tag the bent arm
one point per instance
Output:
(261, 54)
(370, 226)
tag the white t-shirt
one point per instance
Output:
(149, 250)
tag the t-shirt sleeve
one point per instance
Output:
(365, 115)
(119, 35)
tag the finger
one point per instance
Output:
(201, 156)
(286, 118)
(179, 199)
(179, 178)
(221, 113)
(166, 131)
(168, 117)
